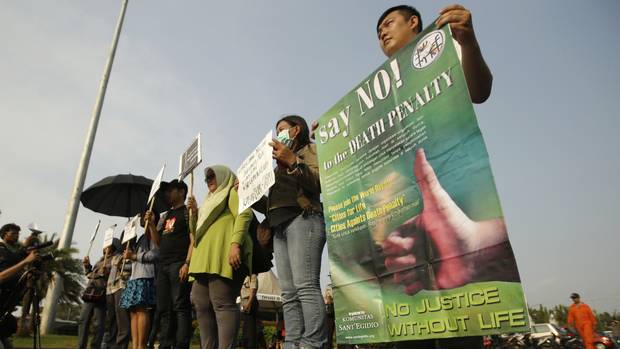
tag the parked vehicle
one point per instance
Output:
(510, 341)
(602, 340)
(549, 335)
(611, 336)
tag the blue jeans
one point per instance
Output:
(298, 249)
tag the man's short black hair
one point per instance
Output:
(9, 227)
(405, 10)
(177, 184)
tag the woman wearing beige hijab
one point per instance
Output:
(221, 259)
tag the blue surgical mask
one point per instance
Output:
(283, 137)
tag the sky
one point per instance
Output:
(229, 70)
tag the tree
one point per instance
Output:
(68, 311)
(66, 267)
(540, 315)
(604, 319)
(560, 313)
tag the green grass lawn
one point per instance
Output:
(55, 342)
(51, 341)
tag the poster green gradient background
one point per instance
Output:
(455, 149)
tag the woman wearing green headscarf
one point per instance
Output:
(221, 258)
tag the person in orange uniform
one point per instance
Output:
(581, 317)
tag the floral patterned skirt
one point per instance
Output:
(138, 293)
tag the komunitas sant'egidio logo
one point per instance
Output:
(428, 49)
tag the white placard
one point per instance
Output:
(256, 174)
(156, 184)
(108, 236)
(92, 237)
(191, 158)
(131, 229)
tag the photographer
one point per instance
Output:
(13, 261)
(13, 256)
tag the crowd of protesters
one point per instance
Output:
(203, 255)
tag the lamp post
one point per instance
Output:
(51, 300)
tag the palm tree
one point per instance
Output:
(66, 267)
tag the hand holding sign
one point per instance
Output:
(192, 206)
(453, 233)
(129, 255)
(459, 19)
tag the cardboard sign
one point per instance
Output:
(131, 229)
(191, 158)
(108, 236)
(156, 184)
(256, 174)
(92, 238)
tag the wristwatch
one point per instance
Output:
(294, 167)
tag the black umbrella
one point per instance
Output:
(122, 195)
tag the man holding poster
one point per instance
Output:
(418, 245)
(175, 251)
(399, 25)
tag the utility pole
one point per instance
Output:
(51, 300)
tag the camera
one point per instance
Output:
(43, 257)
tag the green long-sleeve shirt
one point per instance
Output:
(210, 254)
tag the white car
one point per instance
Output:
(548, 330)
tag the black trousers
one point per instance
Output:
(173, 304)
(94, 312)
(118, 325)
(155, 317)
(109, 337)
(250, 327)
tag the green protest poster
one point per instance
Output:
(417, 242)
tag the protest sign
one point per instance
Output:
(418, 247)
(108, 236)
(156, 185)
(191, 158)
(92, 237)
(256, 174)
(131, 229)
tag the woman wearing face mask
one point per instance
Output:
(221, 258)
(294, 214)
